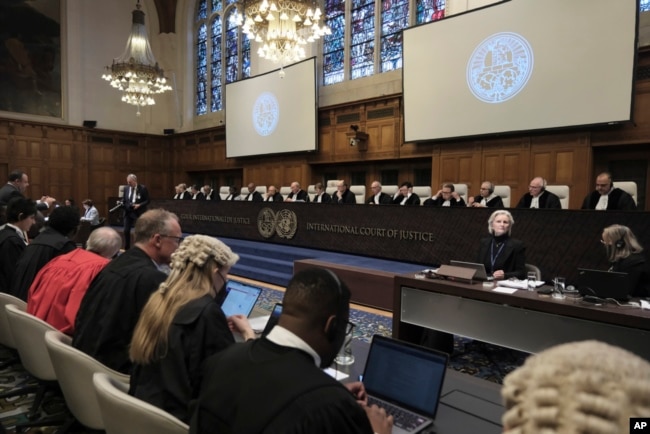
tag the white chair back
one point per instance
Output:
(125, 414)
(424, 192)
(391, 190)
(561, 191)
(503, 191)
(462, 191)
(6, 337)
(285, 191)
(628, 187)
(359, 193)
(224, 191)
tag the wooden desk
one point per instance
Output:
(524, 320)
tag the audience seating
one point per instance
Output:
(125, 414)
(74, 370)
(562, 191)
(503, 191)
(29, 335)
(6, 337)
(359, 193)
(462, 191)
(629, 187)
(423, 192)
(224, 191)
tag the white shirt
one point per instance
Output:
(281, 336)
(405, 199)
(446, 203)
(535, 202)
(603, 201)
(485, 200)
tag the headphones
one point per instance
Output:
(620, 243)
(491, 188)
(337, 325)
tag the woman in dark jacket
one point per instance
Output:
(503, 257)
(626, 255)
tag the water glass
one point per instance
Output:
(532, 280)
(559, 284)
(345, 356)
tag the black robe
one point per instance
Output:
(546, 200)
(301, 195)
(413, 199)
(324, 198)
(348, 197)
(384, 199)
(11, 247)
(46, 246)
(257, 197)
(618, 199)
(112, 305)
(495, 202)
(262, 387)
(438, 201)
(199, 330)
(637, 266)
(510, 257)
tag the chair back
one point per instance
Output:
(424, 192)
(6, 337)
(125, 414)
(391, 190)
(120, 190)
(224, 191)
(628, 187)
(359, 192)
(29, 336)
(561, 191)
(74, 371)
(538, 272)
(462, 191)
(503, 191)
(285, 191)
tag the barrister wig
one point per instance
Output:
(579, 387)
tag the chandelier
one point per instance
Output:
(282, 27)
(136, 72)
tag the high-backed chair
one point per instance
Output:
(311, 191)
(423, 192)
(74, 370)
(331, 186)
(285, 191)
(120, 190)
(391, 190)
(224, 191)
(561, 191)
(359, 192)
(29, 336)
(462, 191)
(6, 337)
(628, 187)
(125, 414)
(503, 191)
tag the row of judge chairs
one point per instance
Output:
(95, 394)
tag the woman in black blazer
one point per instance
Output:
(625, 255)
(503, 257)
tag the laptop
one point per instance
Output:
(240, 298)
(406, 380)
(605, 284)
(480, 274)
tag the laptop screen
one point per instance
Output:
(240, 299)
(404, 374)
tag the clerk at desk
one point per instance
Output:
(503, 257)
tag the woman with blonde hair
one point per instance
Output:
(503, 257)
(182, 324)
(625, 255)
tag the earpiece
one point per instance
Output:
(620, 243)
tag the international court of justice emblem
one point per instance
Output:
(286, 223)
(499, 67)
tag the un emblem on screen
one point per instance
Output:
(499, 67)
(266, 114)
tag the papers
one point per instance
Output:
(337, 375)
(504, 289)
(645, 304)
(518, 284)
(259, 322)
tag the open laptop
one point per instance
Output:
(406, 380)
(240, 298)
(480, 274)
(605, 284)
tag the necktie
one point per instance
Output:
(133, 195)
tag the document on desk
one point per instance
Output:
(337, 375)
(505, 289)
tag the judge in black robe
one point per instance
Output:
(546, 200)
(617, 200)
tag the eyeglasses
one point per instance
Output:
(349, 327)
(484, 189)
(178, 239)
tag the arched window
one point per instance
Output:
(221, 54)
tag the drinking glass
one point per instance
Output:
(559, 284)
(532, 280)
(345, 356)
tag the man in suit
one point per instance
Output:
(486, 198)
(272, 195)
(135, 200)
(297, 194)
(378, 197)
(538, 197)
(406, 195)
(16, 187)
(343, 194)
(608, 197)
(445, 197)
(253, 196)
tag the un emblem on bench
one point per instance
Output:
(284, 223)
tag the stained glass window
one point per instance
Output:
(394, 18)
(218, 50)
(429, 10)
(334, 44)
(644, 5)
(362, 48)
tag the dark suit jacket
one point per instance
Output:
(438, 201)
(414, 199)
(495, 202)
(546, 200)
(277, 197)
(142, 198)
(384, 199)
(511, 259)
(8, 192)
(324, 198)
(348, 197)
(257, 197)
(301, 195)
(618, 199)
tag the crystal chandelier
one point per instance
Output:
(281, 27)
(136, 72)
